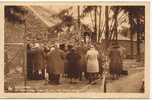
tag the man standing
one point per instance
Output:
(92, 63)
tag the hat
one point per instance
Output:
(52, 48)
(37, 45)
(70, 46)
(57, 45)
(91, 46)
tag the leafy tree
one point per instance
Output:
(67, 20)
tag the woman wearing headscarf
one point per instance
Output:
(92, 63)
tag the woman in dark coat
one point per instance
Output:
(82, 51)
(115, 62)
(73, 64)
(29, 63)
(55, 64)
(38, 60)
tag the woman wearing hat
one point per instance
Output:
(92, 63)
(73, 64)
(55, 64)
(115, 65)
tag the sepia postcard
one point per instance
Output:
(74, 49)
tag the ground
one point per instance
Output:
(130, 83)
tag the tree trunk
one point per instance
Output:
(99, 32)
(131, 36)
(131, 44)
(138, 42)
(25, 58)
(115, 24)
(138, 46)
(107, 26)
(95, 27)
(78, 17)
(78, 27)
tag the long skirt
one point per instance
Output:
(54, 78)
(115, 68)
(73, 71)
(92, 76)
(39, 74)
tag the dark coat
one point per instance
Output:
(38, 58)
(29, 64)
(82, 51)
(115, 61)
(73, 63)
(55, 61)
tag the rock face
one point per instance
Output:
(34, 28)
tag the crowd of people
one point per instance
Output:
(71, 61)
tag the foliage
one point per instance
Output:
(15, 14)
(66, 19)
(136, 15)
(87, 10)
